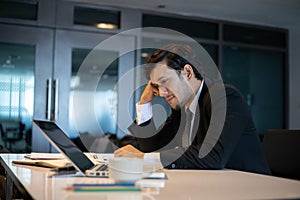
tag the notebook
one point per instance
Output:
(57, 137)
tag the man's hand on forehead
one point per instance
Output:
(150, 91)
(155, 85)
(155, 88)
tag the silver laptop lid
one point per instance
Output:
(57, 137)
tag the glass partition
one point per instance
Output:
(259, 75)
(17, 63)
(105, 95)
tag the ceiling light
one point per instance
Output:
(107, 26)
(144, 55)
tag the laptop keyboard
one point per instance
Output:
(102, 167)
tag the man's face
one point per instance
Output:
(172, 86)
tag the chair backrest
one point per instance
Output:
(1, 129)
(282, 150)
(11, 129)
(1, 134)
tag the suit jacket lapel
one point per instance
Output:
(200, 127)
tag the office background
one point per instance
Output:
(255, 45)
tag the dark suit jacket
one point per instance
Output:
(233, 144)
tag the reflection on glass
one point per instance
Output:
(258, 74)
(17, 85)
(104, 95)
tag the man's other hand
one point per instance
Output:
(129, 151)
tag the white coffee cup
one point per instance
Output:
(125, 169)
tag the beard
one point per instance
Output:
(183, 102)
(177, 107)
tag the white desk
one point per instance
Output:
(181, 184)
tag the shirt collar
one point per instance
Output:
(194, 103)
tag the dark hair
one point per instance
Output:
(176, 56)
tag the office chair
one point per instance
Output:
(11, 131)
(282, 150)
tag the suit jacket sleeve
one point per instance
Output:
(152, 139)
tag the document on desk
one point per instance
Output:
(61, 163)
(44, 156)
(51, 160)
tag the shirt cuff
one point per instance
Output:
(152, 162)
(143, 112)
(152, 156)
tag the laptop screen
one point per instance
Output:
(63, 144)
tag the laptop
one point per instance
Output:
(57, 137)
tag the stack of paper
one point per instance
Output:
(52, 160)
(62, 163)
(44, 156)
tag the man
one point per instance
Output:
(206, 140)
